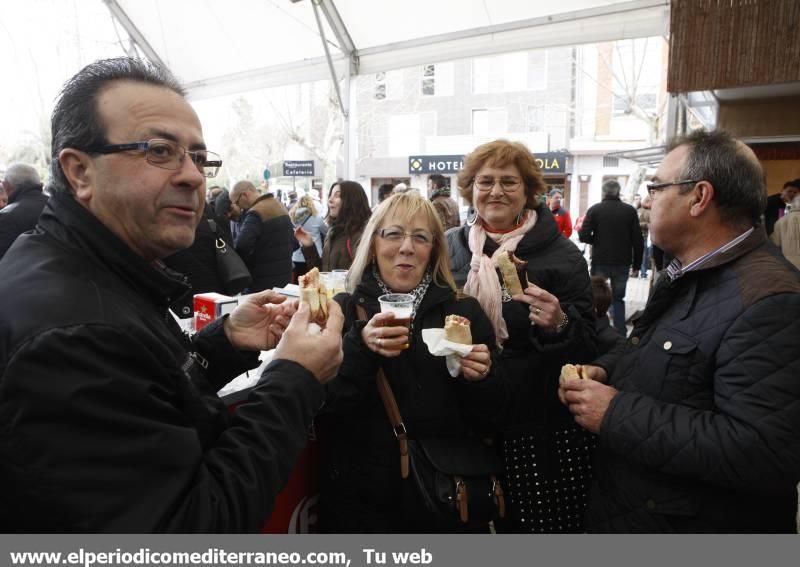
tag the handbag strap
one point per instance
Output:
(219, 241)
(391, 407)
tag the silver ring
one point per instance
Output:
(537, 311)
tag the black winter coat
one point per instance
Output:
(704, 435)
(361, 487)
(266, 242)
(199, 262)
(546, 486)
(20, 215)
(107, 424)
(612, 228)
(532, 358)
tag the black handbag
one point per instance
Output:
(232, 271)
(457, 478)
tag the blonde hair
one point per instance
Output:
(305, 202)
(403, 206)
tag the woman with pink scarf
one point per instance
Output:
(547, 456)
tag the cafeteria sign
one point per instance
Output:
(304, 168)
(549, 162)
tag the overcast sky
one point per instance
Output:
(42, 44)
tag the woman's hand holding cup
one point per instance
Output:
(384, 335)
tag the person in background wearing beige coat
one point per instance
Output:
(786, 234)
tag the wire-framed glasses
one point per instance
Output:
(507, 184)
(653, 188)
(396, 235)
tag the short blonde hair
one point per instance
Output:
(404, 206)
(501, 153)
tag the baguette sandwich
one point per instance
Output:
(314, 293)
(512, 269)
(456, 330)
(572, 372)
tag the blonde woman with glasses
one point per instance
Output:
(402, 251)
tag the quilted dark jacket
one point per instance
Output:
(704, 435)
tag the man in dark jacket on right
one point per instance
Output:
(266, 240)
(25, 203)
(699, 427)
(612, 228)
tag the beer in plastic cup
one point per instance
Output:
(338, 280)
(402, 306)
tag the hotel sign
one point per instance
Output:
(549, 162)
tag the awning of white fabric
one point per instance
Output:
(219, 48)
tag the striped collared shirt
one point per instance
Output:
(676, 269)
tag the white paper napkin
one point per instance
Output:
(439, 346)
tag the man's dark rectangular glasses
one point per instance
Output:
(166, 154)
(653, 188)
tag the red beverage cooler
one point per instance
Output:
(211, 306)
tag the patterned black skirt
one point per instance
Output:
(548, 477)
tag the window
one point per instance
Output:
(524, 70)
(380, 86)
(429, 80)
(489, 121)
(404, 134)
(537, 70)
(536, 118)
(437, 80)
(388, 85)
(610, 161)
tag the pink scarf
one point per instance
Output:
(483, 282)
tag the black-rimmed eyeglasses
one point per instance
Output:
(166, 154)
(653, 188)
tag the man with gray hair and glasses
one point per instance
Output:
(25, 203)
(698, 412)
(110, 419)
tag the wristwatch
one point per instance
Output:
(563, 323)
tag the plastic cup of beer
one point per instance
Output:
(326, 279)
(339, 279)
(402, 306)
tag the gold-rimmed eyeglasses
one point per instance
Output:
(507, 184)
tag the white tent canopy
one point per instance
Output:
(251, 44)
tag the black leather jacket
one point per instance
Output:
(106, 421)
